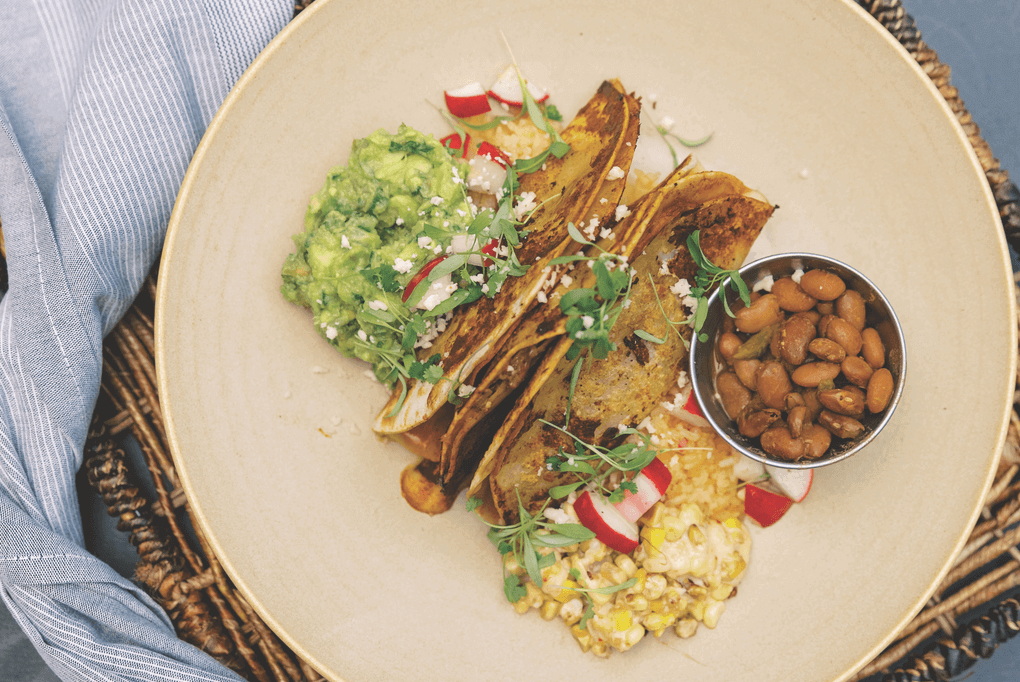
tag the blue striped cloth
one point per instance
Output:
(102, 103)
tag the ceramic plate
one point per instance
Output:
(810, 102)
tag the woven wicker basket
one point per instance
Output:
(179, 570)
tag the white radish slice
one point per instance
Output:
(485, 175)
(602, 518)
(747, 469)
(465, 243)
(651, 483)
(469, 100)
(507, 89)
(795, 483)
(691, 412)
(438, 291)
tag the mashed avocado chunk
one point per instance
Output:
(364, 239)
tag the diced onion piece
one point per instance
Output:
(469, 100)
(507, 89)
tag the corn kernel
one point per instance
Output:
(655, 585)
(732, 522)
(566, 592)
(599, 599)
(583, 637)
(634, 602)
(658, 510)
(572, 611)
(658, 622)
(712, 613)
(696, 536)
(622, 621)
(626, 564)
(550, 609)
(686, 627)
(654, 536)
(721, 591)
(734, 565)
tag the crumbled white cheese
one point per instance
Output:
(362, 335)
(436, 200)
(566, 280)
(682, 288)
(622, 212)
(377, 305)
(667, 122)
(345, 242)
(331, 333)
(587, 321)
(797, 274)
(615, 173)
(764, 284)
(464, 390)
(402, 266)
(681, 379)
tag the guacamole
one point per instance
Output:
(364, 240)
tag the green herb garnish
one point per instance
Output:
(707, 277)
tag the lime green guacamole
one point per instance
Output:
(364, 239)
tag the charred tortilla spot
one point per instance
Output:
(638, 348)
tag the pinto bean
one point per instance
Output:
(779, 442)
(848, 400)
(823, 323)
(733, 393)
(796, 419)
(758, 315)
(816, 441)
(773, 383)
(791, 296)
(813, 315)
(850, 306)
(814, 373)
(747, 372)
(794, 336)
(793, 399)
(840, 425)
(822, 284)
(843, 333)
(880, 390)
(811, 401)
(728, 344)
(827, 349)
(872, 348)
(825, 307)
(753, 424)
(857, 370)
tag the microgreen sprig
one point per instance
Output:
(707, 277)
(520, 540)
(592, 311)
(665, 133)
(593, 464)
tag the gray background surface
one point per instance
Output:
(979, 39)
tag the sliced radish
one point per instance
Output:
(691, 412)
(485, 175)
(419, 276)
(493, 153)
(795, 483)
(765, 506)
(747, 469)
(438, 291)
(469, 100)
(507, 89)
(455, 142)
(651, 483)
(465, 243)
(602, 518)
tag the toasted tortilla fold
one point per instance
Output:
(569, 188)
(624, 388)
(542, 322)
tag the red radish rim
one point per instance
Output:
(419, 277)
(596, 515)
(770, 506)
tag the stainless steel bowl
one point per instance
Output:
(704, 362)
